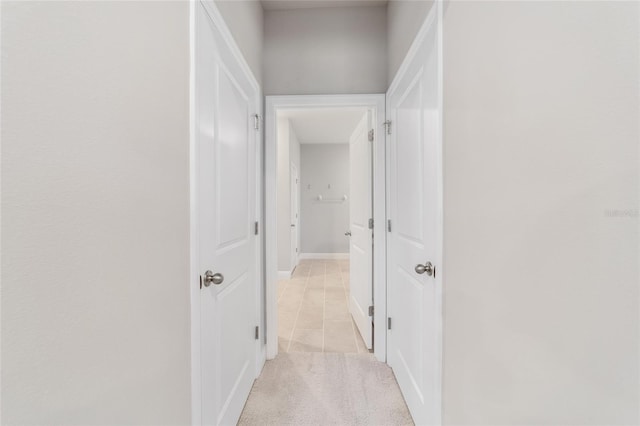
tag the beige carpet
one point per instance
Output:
(325, 389)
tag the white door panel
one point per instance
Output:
(295, 216)
(226, 144)
(414, 207)
(361, 240)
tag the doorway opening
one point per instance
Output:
(324, 243)
(324, 174)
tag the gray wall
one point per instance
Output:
(95, 213)
(324, 224)
(245, 21)
(288, 152)
(325, 51)
(540, 283)
(404, 19)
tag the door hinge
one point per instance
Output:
(371, 223)
(371, 132)
(387, 125)
(257, 335)
(256, 228)
(389, 225)
(256, 121)
(371, 310)
(388, 323)
(200, 282)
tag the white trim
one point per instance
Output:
(327, 256)
(194, 273)
(435, 15)
(284, 275)
(440, 197)
(377, 103)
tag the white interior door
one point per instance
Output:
(226, 143)
(414, 208)
(361, 240)
(295, 216)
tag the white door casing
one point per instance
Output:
(414, 152)
(361, 239)
(295, 216)
(281, 103)
(226, 100)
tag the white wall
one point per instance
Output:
(325, 51)
(323, 224)
(245, 21)
(541, 142)
(95, 213)
(288, 152)
(404, 19)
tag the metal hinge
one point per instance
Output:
(387, 124)
(200, 282)
(371, 223)
(371, 310)
(256, 228)
(256, 121)
(257, 335)
(389, 225)
(388, 323)
(371, 135)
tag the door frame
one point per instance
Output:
(377, 103)
(194, 269)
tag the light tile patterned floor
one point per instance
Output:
(313, 310)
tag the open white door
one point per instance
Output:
(226, 101)
(295, 216)
(414, 209)
(361, 243)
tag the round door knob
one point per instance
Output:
(348, 233)
(427, 267)
(210, 277)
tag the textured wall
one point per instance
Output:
(95, 213)
(324, 224)
(540, 279)
(325, 51)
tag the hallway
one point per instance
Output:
(345, 385)
(313, 310)
(325, 389)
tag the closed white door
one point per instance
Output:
(413, 338)
(226, 142)
(361, 239)
(295, 216)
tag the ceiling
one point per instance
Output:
(310, 4)
(324, 125)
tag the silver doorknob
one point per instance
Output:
(210, 277)
(293, 225)
(348, 233)
(427, 267)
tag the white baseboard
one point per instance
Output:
(330, 256)
(284, 275)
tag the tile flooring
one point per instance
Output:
(313, 310)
